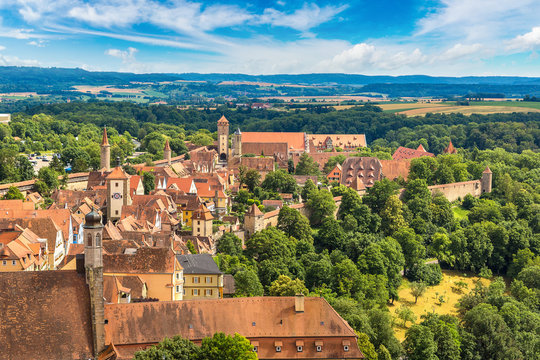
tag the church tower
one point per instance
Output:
(223, 139)
(237, 143)
(167, 153)
(105, 152)
(117, 193)
(93, 263)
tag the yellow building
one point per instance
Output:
(158, 268)
(202, 222)
(202, 278)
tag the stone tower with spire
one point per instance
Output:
(93, 263)
(167, 152)
(223, 139)
(117, 193)
(105, 162)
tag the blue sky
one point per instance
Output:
(394, 37)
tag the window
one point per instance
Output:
(195, 292)
(195, 280)
(89, 240)
(278, 348)
(13, 262)
(208, 292)
(319, 348)
(208, 279)
(115, 212)
(198, 222)
(177, 288)
(98, 239)
(299, 348)
(177, 276)
(4, 262)
(256, 349)
(346, 348)
(184, 292)
(116, 184)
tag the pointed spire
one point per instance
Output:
(105, 141)
(223, 120)
(487, 171)
(450, 149)
(421, 148)
(167, 146)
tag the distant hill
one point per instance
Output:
(58, 80)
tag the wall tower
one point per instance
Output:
(237, 143)
(167, 153)
(93, 263)
(487, 177)
(223, 139)
(105, 162)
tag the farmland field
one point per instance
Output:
(476, 107)
(429, 301)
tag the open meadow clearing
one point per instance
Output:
(429, 302)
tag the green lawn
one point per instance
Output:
(459, 212)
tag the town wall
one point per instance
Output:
(458, 190)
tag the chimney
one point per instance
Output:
(299, 303)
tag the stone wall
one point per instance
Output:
(458, 190)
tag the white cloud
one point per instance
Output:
(38, 43)
(303, 19)
(459, 51)
(126, 56)
(2, 48)
(479, 19)
(7, 60)
(528, 41)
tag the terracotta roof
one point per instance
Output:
(16, 205)
(46, 315)
(254, 211)
(258, 163)
(364, 169)
(223, 120)
(202, 213)
(421, 148)
(167, 146)
(105, 140)
(229, 287)
(279, 148)
(392, 169)
(294, 140)
(261, 318)
(487, 171)
(118, 246)
(183, 184)
(144, 260)
(117, 174)
(339, 140)
(450, 149)
(405, 153)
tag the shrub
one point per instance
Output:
(430, 274)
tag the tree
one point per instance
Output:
(530, 276)
(309, 186)
(377, 195)
(307, 166)
(366, 347)
(247, 283)
(413, 250)
(406, 314)
(252, 179)
(279, 181)
(230, 244)
(149, 182)
(419, 343)
(270, 243)
(25, 168)
(294, 224)
(49, 177)
(383, 353)
(191, 247)
(331, 235)
(13, 193)
(176, 348)
(332, 162)
(285, 286)
(226, 347)
(392, 215)
(418, 289)
(321, 204)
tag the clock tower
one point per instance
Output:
(117, 193)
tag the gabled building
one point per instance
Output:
(202, 278)
(403, 153)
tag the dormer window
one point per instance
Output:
(346, 344)
(255, 345)
(299, 345)
(278, 345)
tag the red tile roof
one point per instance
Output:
(405, 153)
(105, 140)
(223, 120)
(45, 315)
(295, 140)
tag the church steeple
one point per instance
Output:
(167, 152)
(105, 162)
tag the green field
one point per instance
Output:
(526, 104)
(459, 212)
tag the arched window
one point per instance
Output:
(89, 240)
(98, 239)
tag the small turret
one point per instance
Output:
(237, 143)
